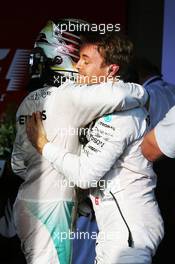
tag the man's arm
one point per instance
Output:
(93, 101)
(150, 148)
(161, 140)
(17, 158)
(21, 146)
(97, 158)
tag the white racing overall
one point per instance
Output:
(122, 186)
(44, 203)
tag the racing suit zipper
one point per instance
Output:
(130, 239)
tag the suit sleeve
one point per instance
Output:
(17, 160)
(21, 150)
(165, 134)
(93, 101)
(96, 159)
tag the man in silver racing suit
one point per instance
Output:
(43, 207)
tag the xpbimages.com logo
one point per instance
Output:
(102, 236)
(98, 184)
(86, 27)
(82, 79)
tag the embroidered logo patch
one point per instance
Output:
(108, 118)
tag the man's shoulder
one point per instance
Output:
(40, 93)
(137, 112)
(129, 118)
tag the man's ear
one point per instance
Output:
(113, 69)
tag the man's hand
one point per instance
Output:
(36, 132)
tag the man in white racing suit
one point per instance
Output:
(43, 208)
(120, 179)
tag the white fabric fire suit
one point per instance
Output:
(122, 187)
(165, 134)
(44, 203)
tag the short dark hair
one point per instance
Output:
(113, 46)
